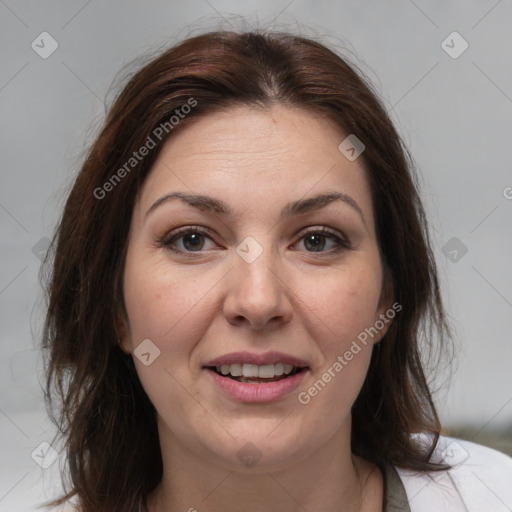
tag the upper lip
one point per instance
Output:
(258, 359)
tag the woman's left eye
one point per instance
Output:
(316, 241)
(193, 240)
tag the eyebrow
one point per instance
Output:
(203, 202)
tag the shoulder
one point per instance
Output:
(480, 479)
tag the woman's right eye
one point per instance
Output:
(189, 240)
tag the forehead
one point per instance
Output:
(243, 154)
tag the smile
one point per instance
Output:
(253, 373)
(249, 377)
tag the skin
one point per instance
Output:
(293, 299)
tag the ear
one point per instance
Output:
(387, 307)
(123, 331)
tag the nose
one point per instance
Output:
(258, 297)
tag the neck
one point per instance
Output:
(321, 481)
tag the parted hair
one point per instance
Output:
(106, 422)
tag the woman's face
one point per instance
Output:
(257, 288)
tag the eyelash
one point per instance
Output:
(171, 238)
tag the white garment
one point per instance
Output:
(480, 481)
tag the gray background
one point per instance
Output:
(454, 114)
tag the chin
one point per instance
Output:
(260, 449)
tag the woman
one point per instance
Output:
(242, 280)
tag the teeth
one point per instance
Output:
(235, 370)
(250, 370)
(266, 371)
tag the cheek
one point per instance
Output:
(344, 304)
(341, 307)
(172, 309)
(159, 299)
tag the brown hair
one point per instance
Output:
(104, 415)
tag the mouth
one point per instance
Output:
(257, 374)
(249, 377)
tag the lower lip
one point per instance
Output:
(257, 392)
